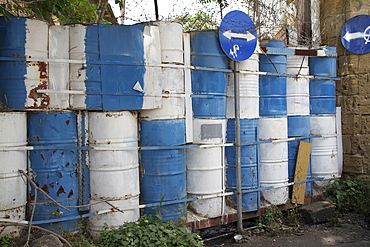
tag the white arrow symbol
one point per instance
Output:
(248, 36)
(349, 36)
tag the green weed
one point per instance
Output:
(149, 231)
(7, 241)
(350, 195)
(271, 219)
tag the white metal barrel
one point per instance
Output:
(322, 125)
(324, 157)
(205, 177)
(297, 65)
(274, 172)
(13, 193)
(298, 99)
(114, 171)
(249, 96)
(324, 162)
(173, 105)
(171, 42)
(251, 64)
(273, 128)
(77, 73)
(37, 72)
(59, 71)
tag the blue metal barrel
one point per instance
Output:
(12, 88)
(323, 66)
(209, 87)
(249, 161)
(124, 44)
(164, 179)
(162, 132)
(273, 102)
(206, 50)
(322, 97)
(93, 79)
(54, 166)
(298, 126)
(273, 63)
(209, 94)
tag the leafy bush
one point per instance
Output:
(350, 195)
(149, 231)
(7, 241)
(271, 219)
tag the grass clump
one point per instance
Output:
(149, 231)
(350, 195)
(271, 219)
(7, 241)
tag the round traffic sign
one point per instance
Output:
(355, 35)
(238, 35)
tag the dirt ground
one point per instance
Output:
(351, 231)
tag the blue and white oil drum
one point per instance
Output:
(112, 74)
(24, 39)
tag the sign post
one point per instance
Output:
(355, 35)
(238, 39)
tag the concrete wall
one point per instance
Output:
(353, 90)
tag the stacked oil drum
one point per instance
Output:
(108, 120)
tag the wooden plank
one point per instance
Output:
(301, 170)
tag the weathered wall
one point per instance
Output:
(353, 90)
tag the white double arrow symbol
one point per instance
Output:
(247, 36)
(350, 36)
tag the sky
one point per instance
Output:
(143, 10)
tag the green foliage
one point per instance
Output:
(271, 219)
(149, 231)
(198, 21)
(7, 241)
(293, 217)
(67, 11)
(350, 195)
(77, 239)
(221, 3)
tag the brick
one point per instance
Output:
(365, 124)
(360, 144)
(364, 104)
(350, 105)
(364, 84)
(351, 124)
(317, 212)
(349, 84)
(367, 165)
(363, 64)
(347, 65)
(353, 164)
(346, 140)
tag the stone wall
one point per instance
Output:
(353, 90)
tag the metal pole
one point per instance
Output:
(156, 10)
(238, 149)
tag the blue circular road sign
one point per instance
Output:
(238, 36)
(355, 35)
